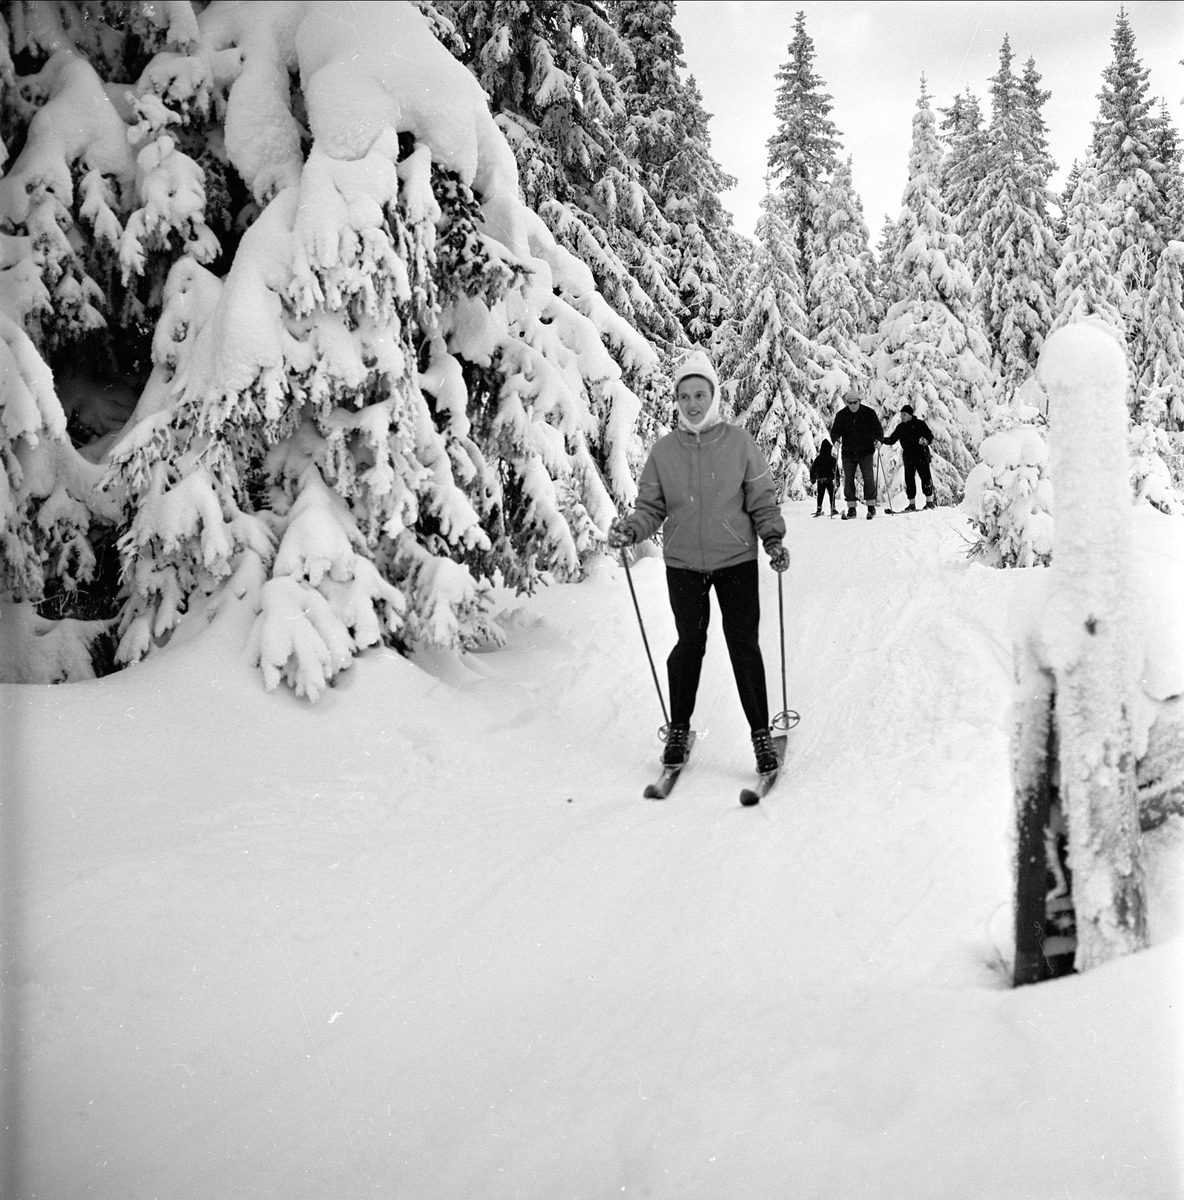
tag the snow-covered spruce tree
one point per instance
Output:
(69, 188)
(1085, 283)
(666, 133)
(776, 370)
(390, 390)
(551, 70)
(805, 147)
(1168, 151)
(889, 287)
(1161, 386)
(726, 347)
(1132, 177)
(1019, 252)
(962, 170)
(840, 303)
(1138, 172)
(929, 351)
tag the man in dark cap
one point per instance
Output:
(858, 429)
(914, 437)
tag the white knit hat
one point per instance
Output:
(696, 362)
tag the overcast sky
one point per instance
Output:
(871, 57)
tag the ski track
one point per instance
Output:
(441, 961)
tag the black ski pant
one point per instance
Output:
(866, 469)
(826, 487)
(913, 468)
(738, 594)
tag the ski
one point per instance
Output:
(669, 777)
(765, 781)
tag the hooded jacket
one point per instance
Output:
(713, 495)
(825, 466)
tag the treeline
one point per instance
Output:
(279, 321)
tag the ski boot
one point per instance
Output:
(871, 511)
(678, 738)
(849, 515)
(766, 752)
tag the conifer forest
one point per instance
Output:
(362, 385)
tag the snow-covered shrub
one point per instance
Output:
(1151, 477)
(1009, 499)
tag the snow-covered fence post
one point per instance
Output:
(1084, 638)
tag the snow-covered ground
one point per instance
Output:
(425, 939)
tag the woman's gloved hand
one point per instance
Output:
(778, 556)
(620, 535)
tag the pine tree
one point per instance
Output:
(1065, 200)
(666, 130)
(963, 169)
(1085, 284)
(1018, 247)
(929, 351)
(1161, 386)
(889, 286)
(371, 382)
(551, 71)
(777, 371)
(840, 302)
(1131, 175)
(1169, 154)
(804, 149)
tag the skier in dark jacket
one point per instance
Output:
(859, 429)
(914, 437)
(824, 475)
(709, 488)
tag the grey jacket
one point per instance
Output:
(714, 493)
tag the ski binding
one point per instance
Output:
(669, 777)
(765, 781)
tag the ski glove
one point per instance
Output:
(620, 535)
(778, 556)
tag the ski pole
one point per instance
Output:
(646, 642)
(884, 481)
(787, 718)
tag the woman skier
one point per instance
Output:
(710, 489)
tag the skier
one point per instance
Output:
(914, 437)
(824, 473)
(859, 429)
(710, 488)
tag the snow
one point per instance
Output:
(425, 938)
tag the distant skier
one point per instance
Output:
(914, 437)
(859, 429)
(824, 475)
(710, 489)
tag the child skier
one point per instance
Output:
(914, 437)
(824, 475)
(709, 487)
